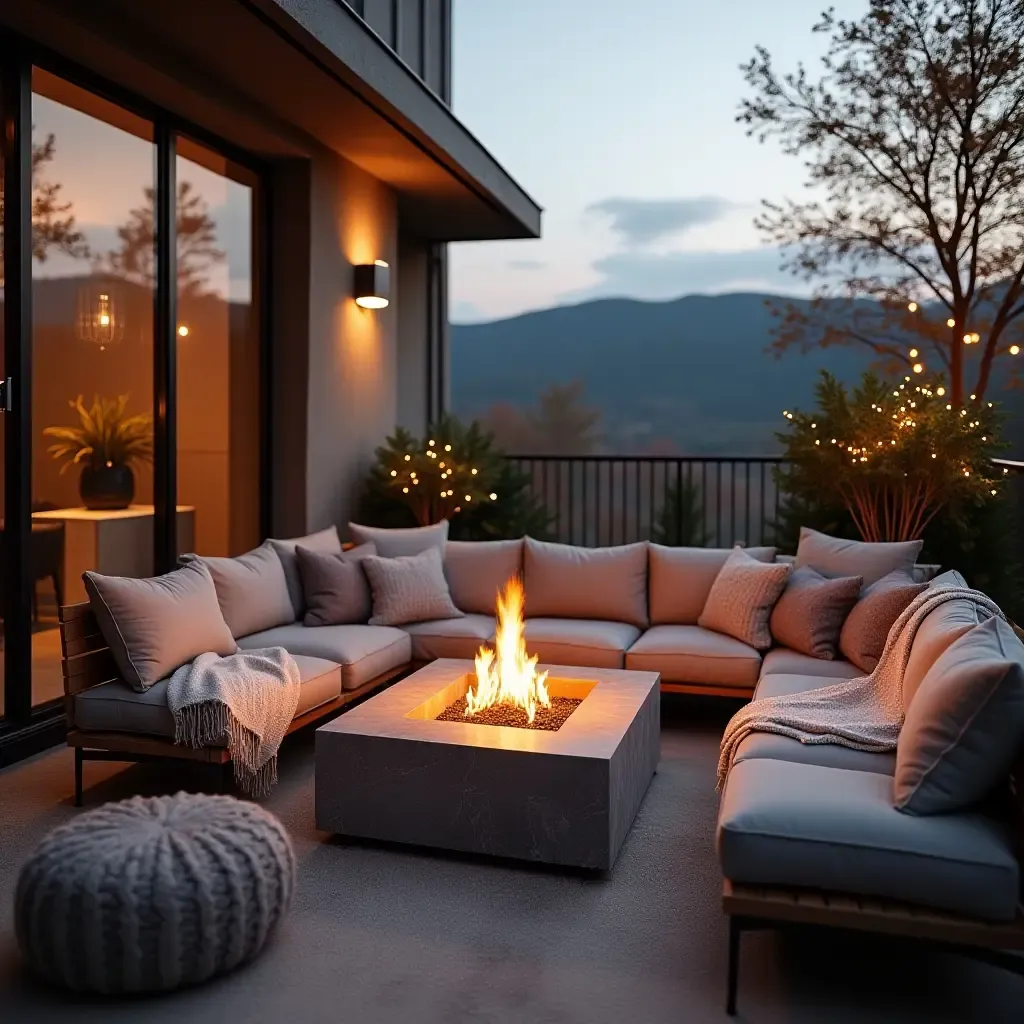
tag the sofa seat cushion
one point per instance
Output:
(364, 652)
(828, 755)
(691, 654)
(116, 707)
(783, 823)
(790, 662)
(590, 643)
(450, 638)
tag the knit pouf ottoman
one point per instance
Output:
(151, 894)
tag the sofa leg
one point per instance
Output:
(735, 931)
(78, 776)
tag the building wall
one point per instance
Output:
(419, 31)
(412, 282)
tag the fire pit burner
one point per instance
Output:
(549, 719)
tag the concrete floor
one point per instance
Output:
(382, 934)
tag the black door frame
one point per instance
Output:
(24, 728)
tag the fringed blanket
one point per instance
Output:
(865, 713)
(249, 697)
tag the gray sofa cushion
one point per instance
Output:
(584, 642)
(827, 755)
(450, 638)
(810, 614)
(570, 582)
(837, 556)
(866, 628)
(783, 684)
(323, 540)
(690, 654)
(782, 659)
(252, 589)
(115, 707)
(153, 626)
(784, 823)
(941, 627)
(401, 543)
(334, 586)
(409, 588)
(965, 726)
(364, 652)
(680, 580)
(477, 570)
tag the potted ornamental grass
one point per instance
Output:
(108, 444)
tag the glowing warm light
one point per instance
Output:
(183, 331)
(951, 322)
(104, 320)
(1014, 350)
(940, 391)
(371, 302)
(913, 353)
(506, 674)
(493, 496)
(918, 367)
(912, 306)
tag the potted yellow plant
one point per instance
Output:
(107, 443)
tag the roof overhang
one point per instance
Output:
(283, 72)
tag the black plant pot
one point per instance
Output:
(106, 487)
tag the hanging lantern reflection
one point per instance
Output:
(100, 316)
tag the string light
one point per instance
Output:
(913, 353)
(912, 306)
(1014, 350)
(940, 391)
(951, 322)
(918, 367)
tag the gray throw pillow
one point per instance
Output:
(399, 543)
(867, 626)
(809, 616)
(409, 588)
(335, 586)
(252, 590)
(742, 598)
(965, 725)
(153, 626)
(837, 556)
(324, 540)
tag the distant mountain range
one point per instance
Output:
(690, 375)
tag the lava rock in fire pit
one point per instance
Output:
(548, 719)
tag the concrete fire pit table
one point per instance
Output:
(389, 770)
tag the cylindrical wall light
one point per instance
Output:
(372, 283)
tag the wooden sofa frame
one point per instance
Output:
(86, 661)
(759, 907)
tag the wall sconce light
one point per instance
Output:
(372, 282)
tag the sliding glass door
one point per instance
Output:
(130, 329)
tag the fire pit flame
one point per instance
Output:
(506, 674)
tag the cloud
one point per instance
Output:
(670, 275)
(640, 222)
(527, 264)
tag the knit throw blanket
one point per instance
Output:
(249, 697)
(865, 713)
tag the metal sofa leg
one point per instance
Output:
(735, 931)
(78, 776)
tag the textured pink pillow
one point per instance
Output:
(810, 614)
(742, 598)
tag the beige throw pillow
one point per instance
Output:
(153, 626)
(809, 616)
(409, 588)
(252, 590)
(837, 556)
(867, 626)
(742, 598)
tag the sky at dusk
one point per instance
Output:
(619, 119)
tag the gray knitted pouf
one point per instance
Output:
(151, 894)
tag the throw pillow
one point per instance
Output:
(742, 598)
(681, 579)
(568, 582)
(153, 626)
(478, 569)
(810, 614)
(335, 586)
(836, 556)
(252, 590)
(965, 725)
(325, 540)
(409, 588)
(398, 543)
(867, 626)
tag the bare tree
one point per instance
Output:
(913, 137)
(53, 223)
(197, 243)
